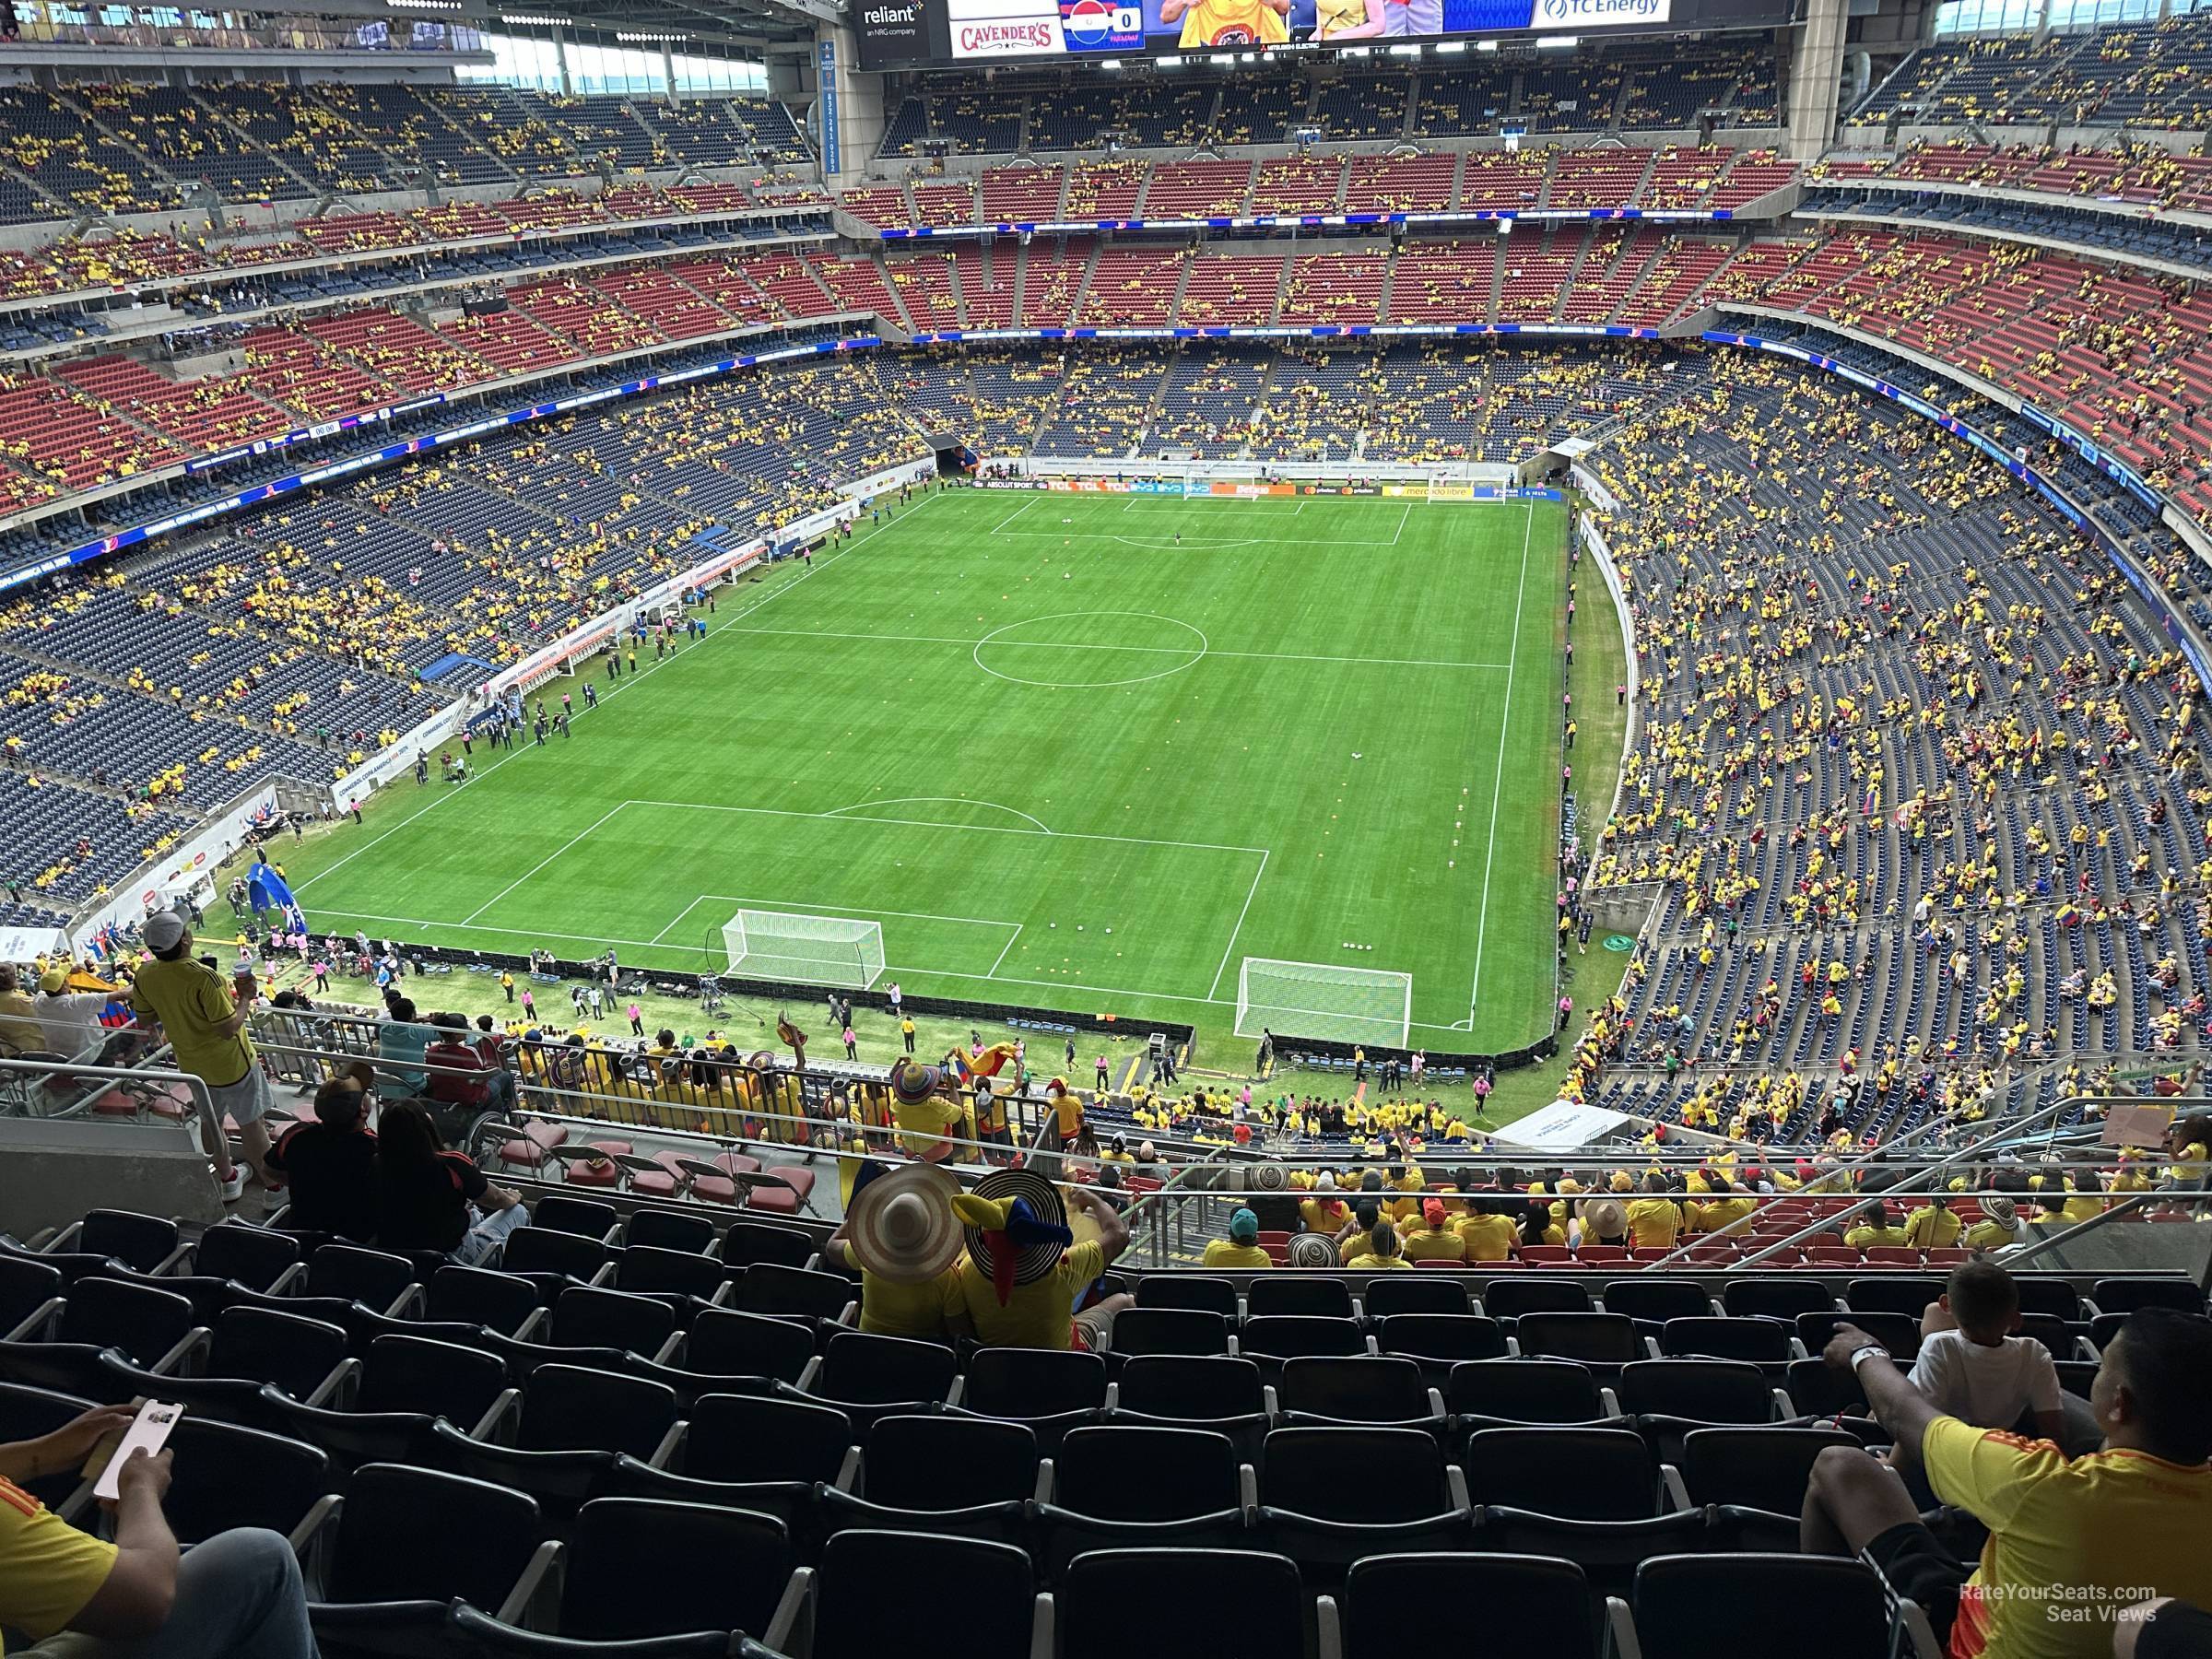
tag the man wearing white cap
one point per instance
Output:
(900, 1232)
(203, 1018)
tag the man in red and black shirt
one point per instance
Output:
(329, 1162)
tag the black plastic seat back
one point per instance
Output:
(1582, 1474)
(1093, 1596)
(1513, 1298)
(1754, 1468)
(2125, 1295)
(1594, 1338)
(1026, 1382)
(479, 1295)
(671, 1230)
(2054, 1297)
(1361, 1390)
(1534, 1391)
(1189, 1389)
(256, 1256)
(940, 1462)
(1657, 1299)
(1905, 1293)
(144, 1324)
(865, 1369)
(720, 1343)
(1145, 1474)
(1898, 1333)
(374, 1276)
(1776, 1295)
(1446, 1338)
(745, 1243)
(415, 1534)
(1389, 1295)
(1354, 1475)
(770, 1288)
(1291, 1293)
(140, 1242)
(548, 1250)
(225, 1476)
(1394, 1604)
(857, 1621)
(649, 1269)
(26, 1286)
(1713, 1391)
(430, 1379)
(1763, 1341)
(568, 1408)
(1833, 1608)
(293, 1353)
(587, 1316)
(748, 1437)
(1188, 1290)
(586, 1217)
(1139, 1331)
(618, 1584)
(1297, 1336)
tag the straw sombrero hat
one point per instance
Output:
(900, 1225)
(1313, 1250)
(1016, 1225)
(1607, 1217)
(1269, 1178)
(912, 1083)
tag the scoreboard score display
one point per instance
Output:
(904, 35)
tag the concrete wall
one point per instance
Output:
(52, 1171)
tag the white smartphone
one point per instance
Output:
(149, 1432)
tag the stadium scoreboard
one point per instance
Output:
(911, 34)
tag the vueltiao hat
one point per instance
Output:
(1313, 1250)
(899, 1225)
(912, 1083)
(1017, 1228)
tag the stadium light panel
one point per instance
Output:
(1556, 42)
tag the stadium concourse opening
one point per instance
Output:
(1064, 748)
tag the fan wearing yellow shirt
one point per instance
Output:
(1381, 1250)
(1230, 23)
(1933, 1226)
(1353, 1238)
(1537, 1227)
(1878, 1227)
(1999, 1225)
(1241, 1248)
(899, 1233)
(2071, 1543)
(1487, 1231)
(1729, 1212)
(1654, 1220)
(1434, 1240)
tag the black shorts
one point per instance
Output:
(1920, 1569)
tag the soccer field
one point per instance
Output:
(1086, 752)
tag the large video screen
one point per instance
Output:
(896, 34)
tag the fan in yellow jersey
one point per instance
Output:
(1228, 22)
(1347, 19)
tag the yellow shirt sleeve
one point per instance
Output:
(1987, 1472)
(48, 1568)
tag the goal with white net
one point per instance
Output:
(813, 950)
(1323, 1001)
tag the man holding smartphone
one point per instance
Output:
(204, 1017)
(238, 1596)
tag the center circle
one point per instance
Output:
(1088, 650)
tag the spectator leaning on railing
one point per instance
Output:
(205, 1022)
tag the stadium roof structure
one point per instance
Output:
(685, 25)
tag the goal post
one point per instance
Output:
(1323, 1001)
(812, 950)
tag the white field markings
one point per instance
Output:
(1260, 656)
(1013, 515)
(574, 841)
(1498, 783)
(1228, 949)
(628, 684)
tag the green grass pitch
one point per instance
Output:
(1064, 758)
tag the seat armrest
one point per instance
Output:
(1672, 1490)
(1043, 1493)
(346, 1375)
(1784, 1407)
(664, 1354)
(321, 1511)
(537, 1592)
(198, 1337)
(538, 1319)
(848, 1472)
(509, 1400)
(32, 1327)
(1248, 1489)
(1044, 1641)
(669, 1443)
(314, 1549)
(791, 1628)
(1609, 1401)
(1456, 1485)
(1328, 1628)
(1621, 1631)
(808, 1373)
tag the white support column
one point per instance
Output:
(561, 61)
(1816, 77)
(667, 72)
(848, 105)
